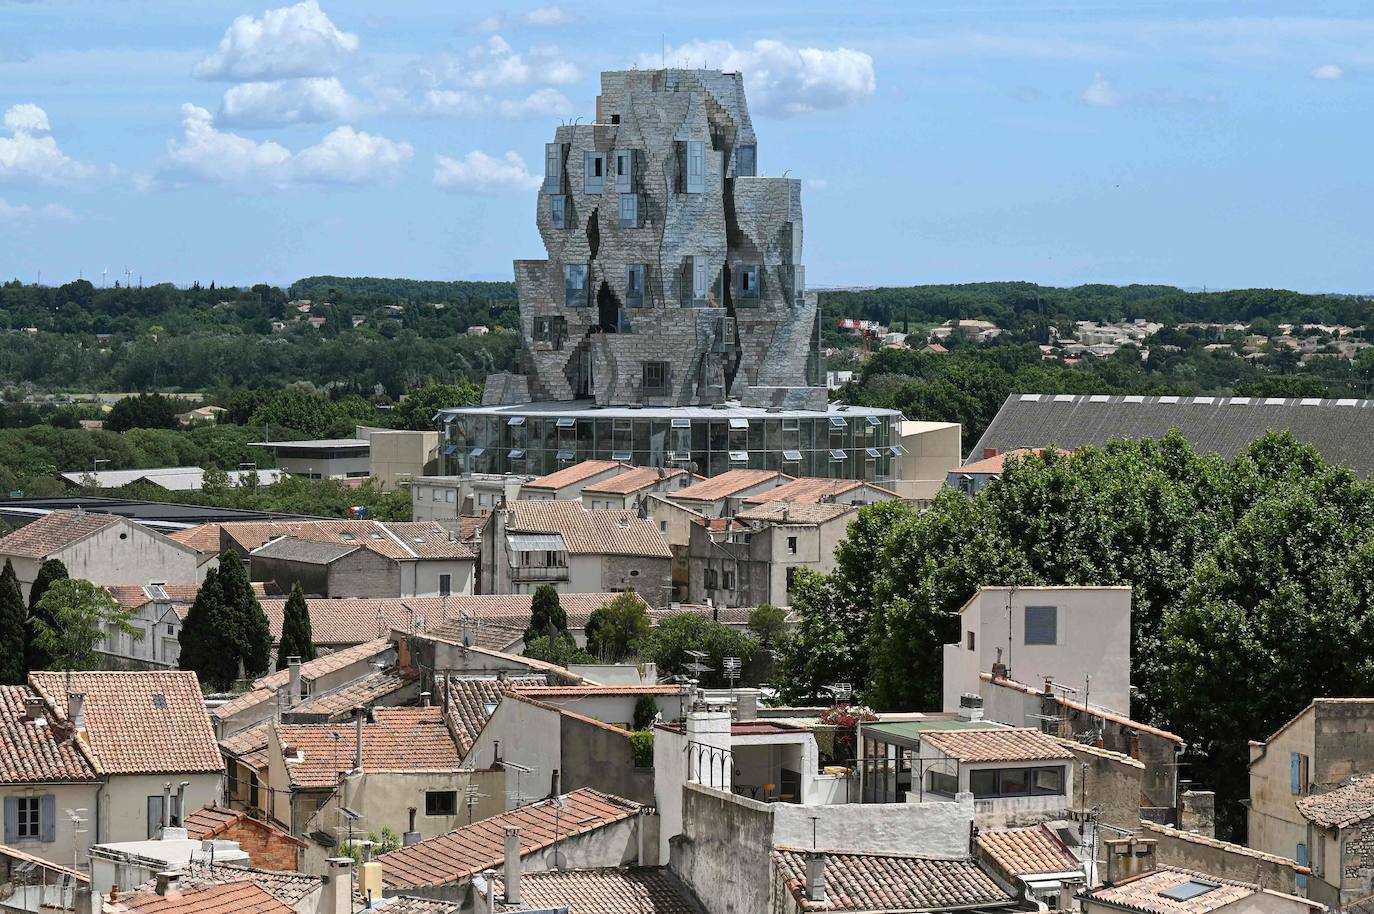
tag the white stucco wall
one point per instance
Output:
(66, 840)
(935, 829)
(529, 736)
(124, 802)
(1093, 638)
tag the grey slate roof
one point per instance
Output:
(310, 552)
(1340, 430)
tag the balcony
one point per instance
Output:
(541, 573)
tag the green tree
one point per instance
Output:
(12, 616)
(83, 616)
(646, 709)
(35, 658)
(678, 633)
(142, 411)
(296, 410)
(558, 648)
(297, 640)
(547, 617)
(225, 630)
(419, 407)
(768, 623)
(615, 630)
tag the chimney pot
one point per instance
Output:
(33, 708)
(815, 877)
(338, 894)
(76, 709)
(294, 665)
(511, 872)
(168, 882)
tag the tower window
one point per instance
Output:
(558, 211)
(594, 172)
(553, 167)
(575, 285)
(624, 170)
(746, 161)
(655, 375)
(629, 210)
(696, 167)
(634, 284)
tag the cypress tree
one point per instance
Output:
(296, 638)
(35, 658)
(206, 643)
(250, 632)
(546, 614)
(12, 618)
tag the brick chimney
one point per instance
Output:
(510, 873)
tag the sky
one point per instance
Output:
(1201, 144)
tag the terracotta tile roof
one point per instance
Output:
(265, 688)
(813, 490)
(343, 620)
(398, 541)
(1142, 893)
(889, 882)
(1342, 806)
(287, 886)
(13, 853)
(788, 512)
(728, 483)
(1000, 744)
(31, 752)
(397, 739)
(249, 743)
(631, 481)
(409, 904)
(1026, 851)
(202, 537)
(466, 851)
(573, 474)
(232, 898)
(213, 821)
(467, 705)
(181, 596)
(585, 531)
(648, 890)
(50, 533)
(995, 464)
(469, 524)
(365, 692)
(140, 722)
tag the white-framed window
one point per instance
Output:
(29, 825)
(450, 496)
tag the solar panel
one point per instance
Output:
(1190, 889)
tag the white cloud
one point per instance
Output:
(206, 154)
(495, 64)
(1328, 71)
(1101, 93)
(345, 156)
(783, 79)
(287, 42)
(295, 101)
(22, 212)
(30, 153)
(480, 173)
(817, 183)
(548, 15)
(27, 117)
(544, 102)
(348, 156)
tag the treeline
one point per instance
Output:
(1251, 584)
(1017, 305)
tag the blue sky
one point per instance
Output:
(1209, 143)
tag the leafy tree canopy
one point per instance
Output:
(83, 615)
(616, 630)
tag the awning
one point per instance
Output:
(739, 422)
(450, 449)
(836, 454)
(516, 420)
(536, 542)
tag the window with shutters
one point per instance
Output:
(696, 167)
(746, 161)
(553, 167)
(634, 284)
(629, 210)
(1297, 774)
(593, 172)
(558, 211)
(1042, 624)
(575, 284)
(624, 170)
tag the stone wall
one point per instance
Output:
(1107, 781)
(723, 851)
(1202, 854)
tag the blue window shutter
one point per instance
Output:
(47, 819)
(1295, 773)
(11, 819)
(1302, 861)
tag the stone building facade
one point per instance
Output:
(674, 274)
